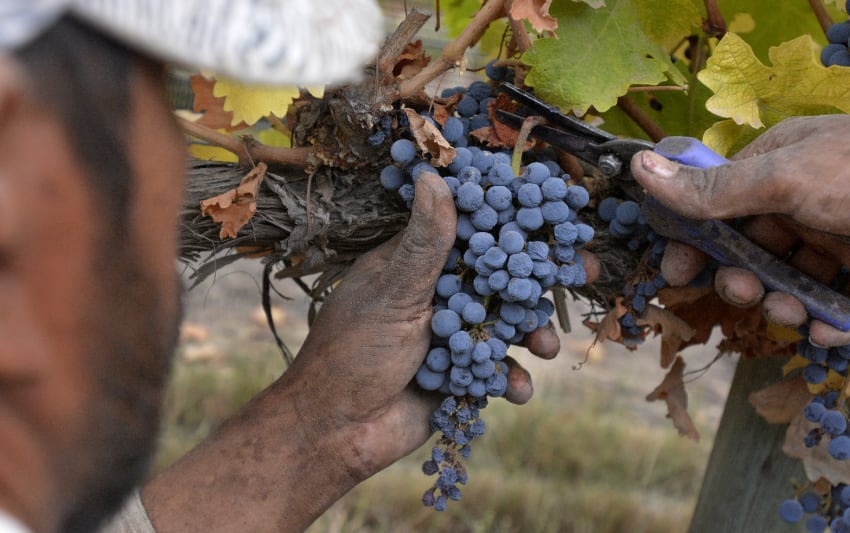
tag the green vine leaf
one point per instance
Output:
(752, 93)
(611, 39)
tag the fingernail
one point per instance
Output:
(657, 165)
(424, 199)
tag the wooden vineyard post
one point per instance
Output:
(748, 476)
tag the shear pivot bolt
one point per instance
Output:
(609, 165)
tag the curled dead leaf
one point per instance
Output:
(212, 106)
(609, 327)
(234, 208)
(536, 12)
(672, 391)
(430, 140)
(780, 402)
(674, 331)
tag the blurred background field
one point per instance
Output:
(586, 454)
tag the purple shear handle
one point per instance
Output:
(729, 247)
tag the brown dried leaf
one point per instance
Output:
(674, 331)
(816, 461)
(609, 327)
(672, 391)
(212, 107)
(430, 140)
(411, 61)
(536, 12)
(234, 208)
(780, 402)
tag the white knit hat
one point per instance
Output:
(299, 42)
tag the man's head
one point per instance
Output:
(91, 170)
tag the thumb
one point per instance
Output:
(413, 268)
(751, 186)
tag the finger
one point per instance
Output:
(784, 310)
(738, 286)
(520, 388)
(823, 334)
(772, 233)
(815, 264)
(592, 265)
(747, 187)
(543, 342)
(681, 263)
(417, 261)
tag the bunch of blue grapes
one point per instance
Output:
(517, 236)
(626, 223)
(838, 35)
(820, 510)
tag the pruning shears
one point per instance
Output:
(612, 156)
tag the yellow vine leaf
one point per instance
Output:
(249, 102)
(751, 93)
(798, 361)
(206, 152)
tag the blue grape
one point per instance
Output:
(840, 58)
(607, 209)
(461, 359)
(481, 352)
(809, 501)
(484, 369)
(498, 349)
(830, 49)
(520, 265)
(481, 284)
(392, 178)
(565, 232)
(529, 218)
(452, 129)
(504, 330)
(495, 73)
(465, 229)
(555, 212)
(403, 151)
(462, 159)
(502, 158)
(438, 359)
(474, 313)
(814, 374)
(479, 90)
(553, 189)
(512, 313)
(421, 167)
(512, 226)
(428, 379)
(497, 384)
(445, 322)
(537, 250)
(481, 241)
(477, 388)
(481, 267)
(499, 280)
(461, 376)
(484, 218)
(585, 233)
(791, 511)
(407, 192)
(506, 216)
(564, 252)
(838, 33)
(814, 412)
(565, 276)
(815, 524)
(469, 173)
(833, 422)
(478, 121)
(470, 196)
(448, 285)
(451, 261)
(536, 173)
(577, 197)
(495, 258)
(839, 447)
(501, 173)
(498, 197)
(518, 289)
(511, 242)
(529, 195)
(483, 160)
(467, 106)
(628, 212)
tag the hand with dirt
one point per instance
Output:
(346, 408)
(796, 179)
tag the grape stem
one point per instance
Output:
(714, 24)
(248, 149)
(522, 138)
(823, 17)
(639, 116)
(453, 52)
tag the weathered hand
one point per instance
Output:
(796, 177)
